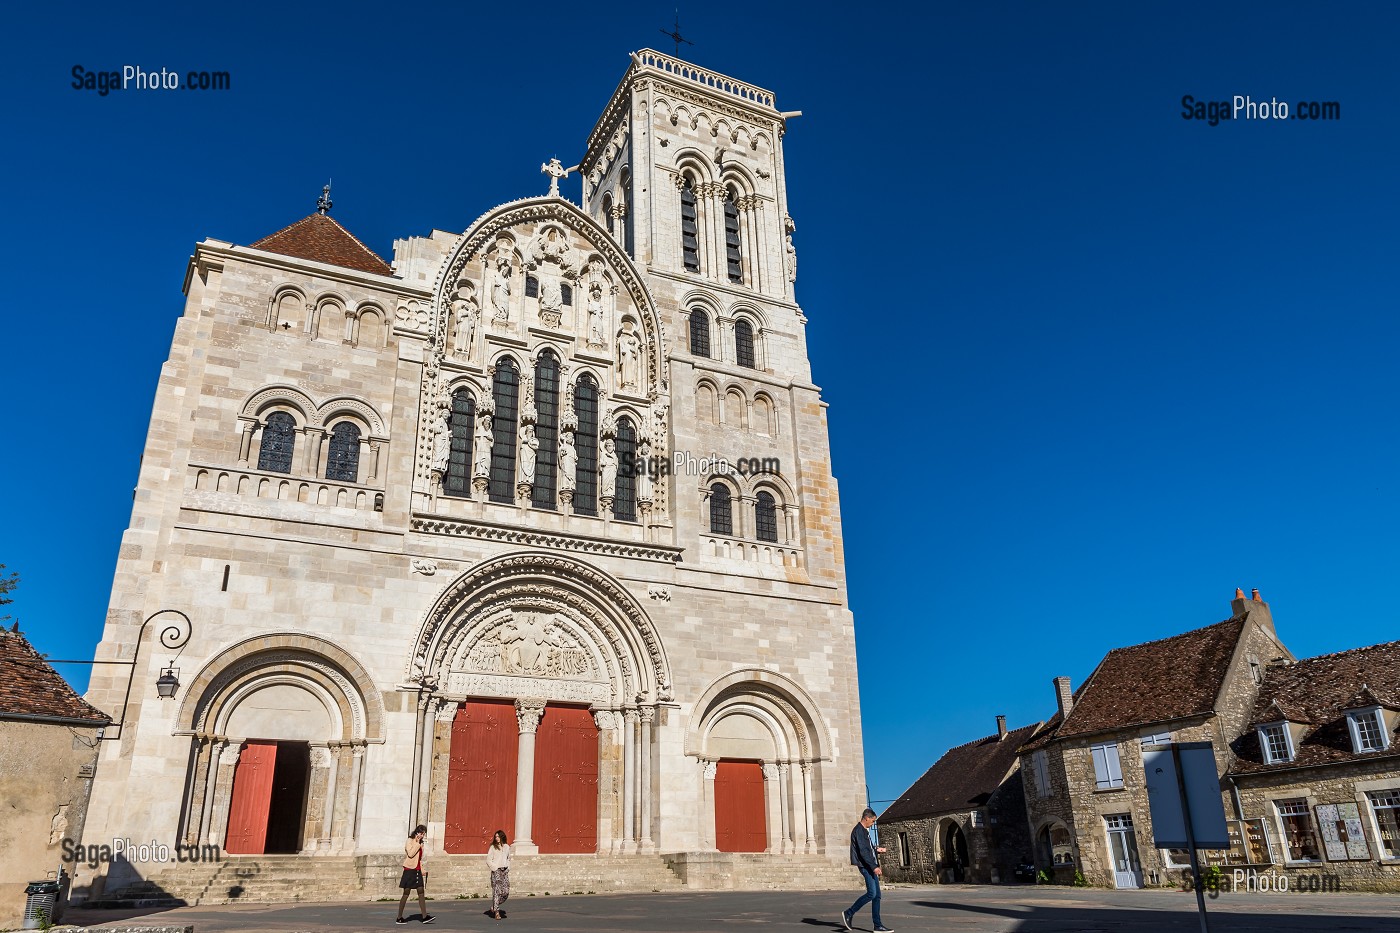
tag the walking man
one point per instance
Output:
(863, 857)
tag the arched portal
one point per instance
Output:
(953, 848)
(550, 667)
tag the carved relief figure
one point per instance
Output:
(790, 250)
(500, 289)
(529, 447)
(608, 465)
(442, 441)
(629, 357)
(596, 327)
(525, 642)
(568, 460)
(467, 314)
(481, 445)
(551, 297)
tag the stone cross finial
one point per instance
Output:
(556, 170)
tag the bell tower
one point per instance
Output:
(685, 168)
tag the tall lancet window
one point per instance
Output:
(721, 510)
(608, 214)
(690, 227)
(506, 392)
(625, 202)
(699, 333)
(546, 429)
(279, 439)
(743, 344)
(731, 236)
(458, 479)
(586, 444)
(625, 500)
(766, 517)
(343, 456)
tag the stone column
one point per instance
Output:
(645, 840)
(629, 780)
(218, 745)
(245, 442)
(772, 805)
(425, 771)
(810, 842)
(707, 809)
(330, 762)
(785, 807)
(364, 461)
(418, 728)
(357, 792)
(198, 770)
(528, 711)
(223, 794)
(609, 809)
(374, 449)
(313, 437)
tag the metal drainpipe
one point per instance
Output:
(1235, 797)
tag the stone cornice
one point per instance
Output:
(487, 531)
(213, 254)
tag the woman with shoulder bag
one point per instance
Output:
(498, 860)
(414, 877)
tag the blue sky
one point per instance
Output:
(1091, 365)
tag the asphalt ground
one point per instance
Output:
(952, 908)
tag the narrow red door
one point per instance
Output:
(481, 775)
(739, 812)
(565, 815)
(252, 795)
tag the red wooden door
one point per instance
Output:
(252, 795)
(565, 815)
(481, 775)
(739, 811)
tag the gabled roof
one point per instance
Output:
(31, 689)
(1158, 681)
(1318, 692)
(319, 238)
(963, 779)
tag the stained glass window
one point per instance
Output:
(279, 439)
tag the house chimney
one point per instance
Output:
(1064, 696)
(1254, 607)
(1001, 728)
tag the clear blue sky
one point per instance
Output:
(1091, 366)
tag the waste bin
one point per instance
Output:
(41, 901)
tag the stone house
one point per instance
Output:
(964, 820)
(49, 738)
(1085, 796)
(532, 527)
(1317, 772)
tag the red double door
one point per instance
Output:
(269, 798)
(740, 825)
(482, 773)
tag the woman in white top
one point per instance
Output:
(498, 860)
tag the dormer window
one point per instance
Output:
(1277, 742)
(1368, 731)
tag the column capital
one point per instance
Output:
(528, 711)
(647, 713)
(711, 767)
(605, 719)
(770, 771)
(629, 716)
(806, 766)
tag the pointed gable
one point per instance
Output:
(963, 779)
(32, 690)
(321, 239)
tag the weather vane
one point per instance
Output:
(676, 36)
(323, 203)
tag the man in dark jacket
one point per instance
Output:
(863, 857)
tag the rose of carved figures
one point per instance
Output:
(529, 450)
(481, 445)
(467, 314)
(500, 289)
(597, 330)
(608, 467)
(568, 460)
(442, 441)
(629, 357)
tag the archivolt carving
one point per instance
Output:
(287, 395)
(493, 613)
(344, 403)
(761, 688)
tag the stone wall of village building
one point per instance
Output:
(1341, 783)
(1048, 808)
(994, 848)
(45, 777)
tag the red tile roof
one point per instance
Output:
(322, 239)
(1158, 681)
(963, 779)
(1317, 692)
(30, 688)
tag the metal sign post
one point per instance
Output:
(1183, 794)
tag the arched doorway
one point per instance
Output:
(954, 861)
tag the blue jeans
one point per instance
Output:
(871, 896)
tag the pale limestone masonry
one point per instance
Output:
(355, 614)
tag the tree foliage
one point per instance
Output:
(8, 582)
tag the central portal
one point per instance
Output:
(483, 770)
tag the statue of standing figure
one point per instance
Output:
(629, 357)
(466, 312)
(791, 251)
(568, 460)
(596, 328)
(481, 445)
(529, 453)
(442, 441)
(608, 465)
(500, 289)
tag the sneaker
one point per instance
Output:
(845, 920)
(429, 919)
(401, 920)
(883, 930)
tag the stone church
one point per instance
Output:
(533, 528)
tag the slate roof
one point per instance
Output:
(1317, 692)
(30, 688)
(319, 238)
(963, 779)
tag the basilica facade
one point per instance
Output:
(533, 527)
